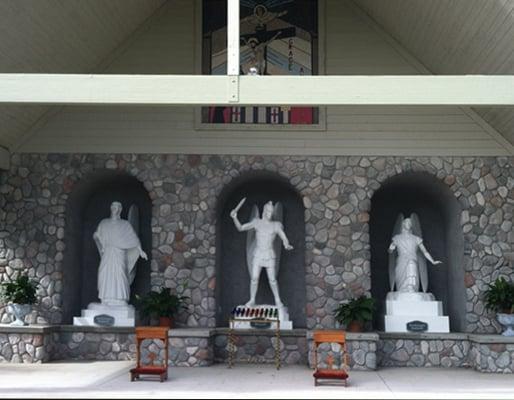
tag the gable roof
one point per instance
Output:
(455, 37)
(53, 36)
(84, 36)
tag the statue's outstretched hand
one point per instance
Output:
(288, 247)
(143, 255)
(437, 262)
(233, 213)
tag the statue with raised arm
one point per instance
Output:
(262, 249)
(409, 268)
(119, 249)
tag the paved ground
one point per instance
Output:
(111, 380)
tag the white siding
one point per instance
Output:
(456, 37)
(55, 36)
(353, 46)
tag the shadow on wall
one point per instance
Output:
(233, 279)
(88, 204)
(439, 213)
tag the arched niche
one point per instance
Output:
(87, 205)
(439, 213)
(233, 279)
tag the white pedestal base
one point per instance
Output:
(418, 308)
(402, 308)
(398, 323)
(124, 315)
(248, 314)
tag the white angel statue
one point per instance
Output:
(262, 248)
(410, 268)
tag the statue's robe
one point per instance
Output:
(121, 248)
(406, 272)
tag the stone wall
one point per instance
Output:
(27, 345)
(446, 350)
(361, 351)
(89, 343)
(191, 347)
(26, 348)
(492, 354)
(252, 348)
(203, 347)
(485, 353)
(336, 192)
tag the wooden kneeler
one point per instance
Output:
(330, 374)
(161, 369)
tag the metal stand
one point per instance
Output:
(232, 338)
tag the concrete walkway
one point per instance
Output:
(110, 379)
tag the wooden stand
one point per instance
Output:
(151, 333)
(331, 373)
(232, 339)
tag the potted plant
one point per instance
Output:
(355, 312)
(19, 295)
(499, 297)
(163, 305)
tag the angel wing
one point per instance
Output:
(392, 256)
(133, 219)
(278, 216)
(422, 262)
(250, 240)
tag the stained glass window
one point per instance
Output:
(278, 37)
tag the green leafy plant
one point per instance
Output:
(358, 309)
(161, 304)
(499, 297)
(20, 291)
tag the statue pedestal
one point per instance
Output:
(418, 308)
(251, 317)
(98, 314)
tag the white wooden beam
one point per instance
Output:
(471, 90)
(233, 37)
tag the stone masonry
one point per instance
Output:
(260, 348)
(336, 192)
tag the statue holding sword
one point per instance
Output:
(262, 248)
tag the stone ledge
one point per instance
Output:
(96, 329)
(359, 336)
(473, 337)
(486, 339)
(191, 333)
(423, 336)
(263, 332)
(28, 329)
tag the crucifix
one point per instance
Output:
(258, 41)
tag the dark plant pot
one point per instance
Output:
(166, 321)
(355, 326)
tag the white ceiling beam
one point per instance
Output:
(233, 37)
(470, 90)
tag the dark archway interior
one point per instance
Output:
(233, 279)
(439, 214)
(90, 203)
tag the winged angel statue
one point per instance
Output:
(262, 248)
(409, 269)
